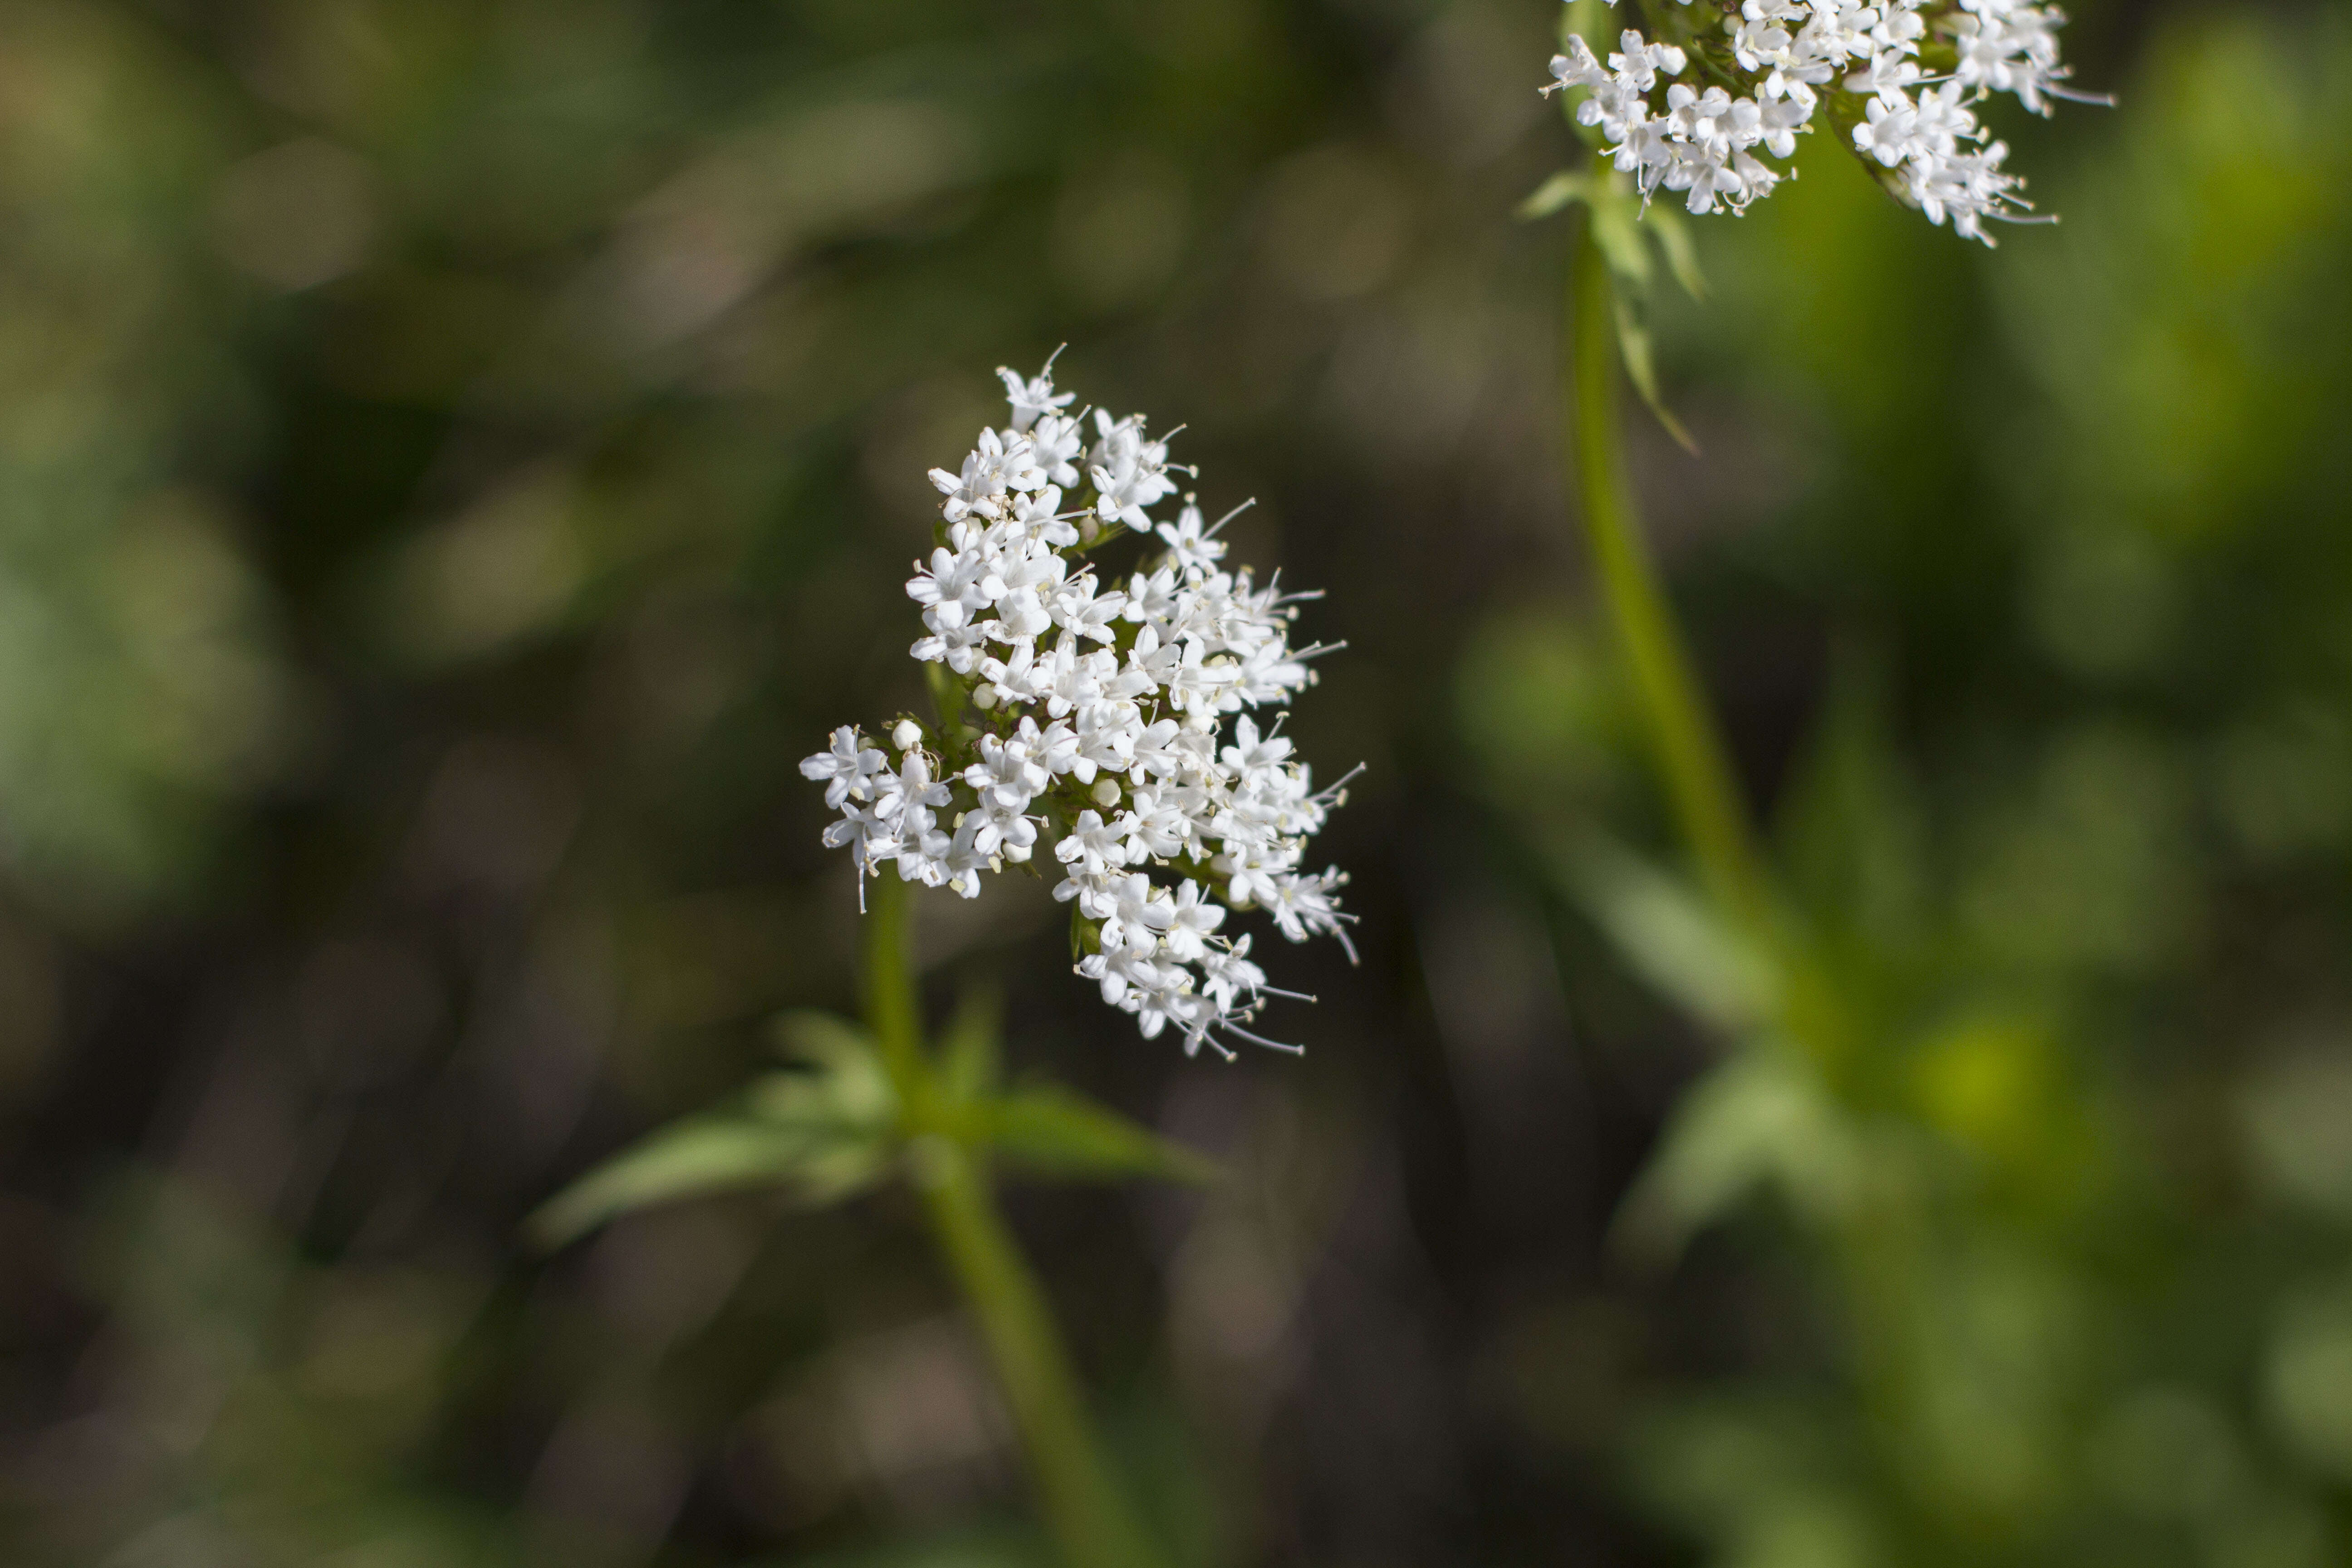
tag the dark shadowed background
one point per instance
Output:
(454, 458)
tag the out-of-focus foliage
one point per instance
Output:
(458, 457)
(138, 681)
(2045, 1099)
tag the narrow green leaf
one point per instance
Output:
(837, 1082)
(1669, 933)
(1760, 1121)
(1673, 230)
(970, 1050)
(697, 1157)
(1634, 343)
(822, 1039)
(1560, 190)
(1052, 1130)
(1617, 230)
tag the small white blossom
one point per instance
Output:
(1057, 439)
(1132, 909)
(1095, 847)
(1033, 396)
(1191, 549)
(846, 768)
(1190, 920)
(1129, 469)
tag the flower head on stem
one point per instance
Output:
(1697, 114)
(1114, 720)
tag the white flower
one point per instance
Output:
(909, 794)
(1156, 752)
(959, 862)
(955, 586)
(1251, 758)
(1079, 609)
(846, 768)
(1035, 396)
(1190, 920)
(959, 647)
(1132, 911)
(1105, 739)
(1130, 471)
(1889, 133)
(1057, 439)
(1020, 676)
(1001, 833)
(1039, 516)
(1162, 829)
(1071, 680)
(1303, 906)
(1011, 773)
(992, 471)
(1227, 976)
(1096, 847)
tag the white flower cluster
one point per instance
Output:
(1084, 714)
(1900, 75)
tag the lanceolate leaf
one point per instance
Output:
(838, 1080)
(1681, 257)
(703, 1155)
(1669, 933)
(1055, 1132)
(1554, 194)
(1633, 345)
(1623, 227)
(822, 1129)
(1760, 1121)
(970, 1050)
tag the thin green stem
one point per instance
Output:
(1089, 1515)
(892, 1010)
(1683, 732)
(1083, 1505)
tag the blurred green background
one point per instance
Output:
(455, 458)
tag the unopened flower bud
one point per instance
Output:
(1106, 791)
(984, 697)
(908, 735)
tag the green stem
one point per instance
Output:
(1683, 731)
(1089, 1515)
(892, 1010)
(1083, 1507)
